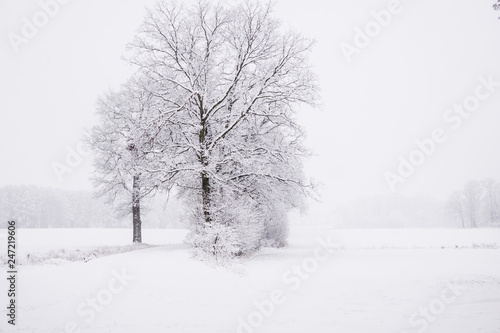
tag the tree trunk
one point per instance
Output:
(205, 193)
(205, 179)
(136, 211)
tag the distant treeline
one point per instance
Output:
(476, 205)
(40, 207)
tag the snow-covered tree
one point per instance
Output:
(121, 143)
(492, 200)
(478, 203)
(456, 207)
(231, 80)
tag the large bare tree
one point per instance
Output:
(230, 80)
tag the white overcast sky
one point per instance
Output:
(395, 91)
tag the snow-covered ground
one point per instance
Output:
(327, 280)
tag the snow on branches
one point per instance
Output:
(223, 86)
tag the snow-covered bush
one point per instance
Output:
(236, 229)
(214, 241)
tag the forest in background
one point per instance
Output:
(41, 207)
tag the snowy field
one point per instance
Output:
(327, 280)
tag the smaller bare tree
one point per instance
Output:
(121, 147)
